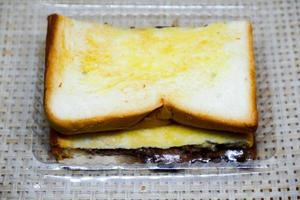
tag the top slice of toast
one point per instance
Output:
(100, 77)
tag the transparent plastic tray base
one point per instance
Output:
(148, 15)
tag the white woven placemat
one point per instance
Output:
(22, 177)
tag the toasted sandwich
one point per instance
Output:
(102, 82)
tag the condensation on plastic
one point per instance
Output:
(147, 14)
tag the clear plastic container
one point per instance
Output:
(149, 14)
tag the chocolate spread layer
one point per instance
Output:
(186, 154)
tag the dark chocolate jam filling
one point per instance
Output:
(185, 154)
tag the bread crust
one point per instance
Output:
(212, 123)
(114, 122)
(254, 114)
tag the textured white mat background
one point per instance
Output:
(22, 177)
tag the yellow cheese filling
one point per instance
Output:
(156, 137)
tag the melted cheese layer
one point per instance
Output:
(157, 137)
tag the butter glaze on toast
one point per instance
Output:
(101, 78)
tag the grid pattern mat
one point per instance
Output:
(21, 54)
